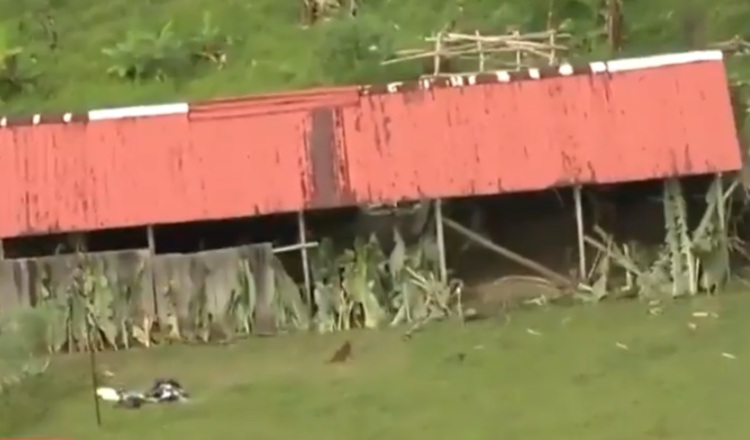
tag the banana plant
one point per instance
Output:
(362, 267)
(147, 55)
(16, 73)
(210, 44)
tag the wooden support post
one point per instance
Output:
(579, 232)
(151, 241)
(305, 257)
(721, 212)
(720, 204)
(2, 249)
(150, 266)
(440, 240)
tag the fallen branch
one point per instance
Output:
(615, 255)
(548, 273)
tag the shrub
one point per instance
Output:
(161, 55)
(16, 67)
(352, 50)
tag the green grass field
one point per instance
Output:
(62, 41)
(610, 371)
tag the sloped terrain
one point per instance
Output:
(585, 373)
(81, 54)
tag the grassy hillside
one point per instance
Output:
(584, 373)
(77, 54)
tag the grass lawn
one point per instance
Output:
(272, 51)
(553, 373)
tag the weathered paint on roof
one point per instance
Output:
(493, 133)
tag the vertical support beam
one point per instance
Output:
(579, 232)
(150, 265)
(720, 207)
(440, 240)
(722, 214)
(305, 257)
(151, 241)
(2, 249)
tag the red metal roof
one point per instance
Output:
(493, 133)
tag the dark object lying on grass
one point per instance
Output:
(163, 391)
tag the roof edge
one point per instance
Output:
(565, 69)
(457, 80)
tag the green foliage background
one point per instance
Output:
(270, 50)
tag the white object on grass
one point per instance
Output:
(108, 394)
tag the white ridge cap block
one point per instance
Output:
(393, 87)
(566, 69)
(503, 76)
(598, 67)
(664, 60)
(138, 111)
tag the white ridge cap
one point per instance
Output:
(138, 111)
(653, 61)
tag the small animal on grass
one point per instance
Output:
(456, 357)
(343, 354)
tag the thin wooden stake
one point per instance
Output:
(438, 54)
(518, 51)
(295, 247)
(579, 231)
(552, 53)
(480, 51)
(305, 258)
(439, 231)
(94, 379)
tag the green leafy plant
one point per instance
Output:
(161, 55)
(352, 50)
(21, 346)
(348, 292)
(585, 21)
(16, 67)
(210, 44)
(147, 55)
(686, 263)
(364, 287)
(89, 307)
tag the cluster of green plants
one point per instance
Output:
(20, 355)
(690, 261)
(91, 306)
(364, 287)
(160, 55)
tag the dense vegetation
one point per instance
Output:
(79, 54)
